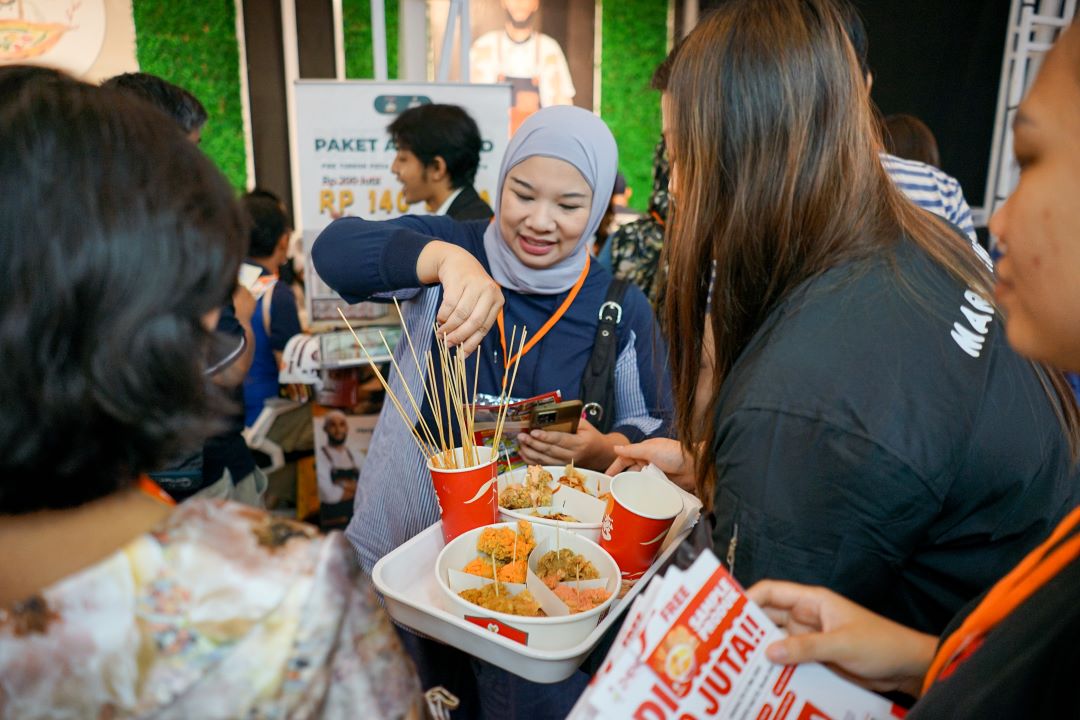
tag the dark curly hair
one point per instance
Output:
(446, 131)
(119, 238)
(176, 102)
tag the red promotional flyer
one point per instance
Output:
(692, 647)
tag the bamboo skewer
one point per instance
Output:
(463, 396)
(436, 409)
(476, 384)
(408, 393)
(506, 397)
(454, 397)
(450, 382)
(470, 408)
(445, 390)
(386, 386)
(427, 390)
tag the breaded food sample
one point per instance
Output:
(534, 492)
(504, 544)
(514, 572)
(580, 600)
(511, 572)
(556, 566)
(480, 567)
(497, 598)
(574, 478)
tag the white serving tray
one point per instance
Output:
(406, 579)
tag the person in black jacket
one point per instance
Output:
(1014, 654)
(841, 374)
(438, 152)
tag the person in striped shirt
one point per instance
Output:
(931, 189)
(926, 186)
(530, 268)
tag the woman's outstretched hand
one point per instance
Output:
(665, 454)
(471, 299)
(824, 627)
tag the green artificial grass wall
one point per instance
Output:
(356, 19)
(634, 43)
(193, 44)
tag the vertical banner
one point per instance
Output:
(345, 155)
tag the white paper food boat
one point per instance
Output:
(586, 507)
(559, 629)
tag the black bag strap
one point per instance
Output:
(598, 381)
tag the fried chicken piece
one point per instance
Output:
(537, 476)
(495, 597)
(580, 600)
(510, 572)
(504, 544)
(558, 565)
(573, 478)
(513, 572)
(480, 567)
(515, 497)
(534, 492)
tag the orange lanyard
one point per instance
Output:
(152, 489)
(1034, 571)
(508, 361)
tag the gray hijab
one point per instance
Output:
(576, 136)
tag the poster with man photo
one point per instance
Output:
(543, 48)
(341, 444)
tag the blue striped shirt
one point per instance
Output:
(932, 190)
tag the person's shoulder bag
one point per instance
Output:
(598, 381)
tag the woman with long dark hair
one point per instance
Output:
(860, 421)
(1015, 653)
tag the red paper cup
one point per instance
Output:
(640, 510)
(468, 498)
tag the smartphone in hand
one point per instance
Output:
(557, 417)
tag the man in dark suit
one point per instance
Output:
(438, 151)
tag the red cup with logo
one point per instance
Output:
(469, 496)
(640, 511)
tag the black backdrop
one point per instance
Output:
(939, 60)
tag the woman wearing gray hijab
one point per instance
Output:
(529, 267)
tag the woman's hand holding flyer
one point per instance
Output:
(824, 627)
(693, 645)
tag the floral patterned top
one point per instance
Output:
(223, 612)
